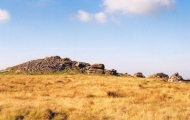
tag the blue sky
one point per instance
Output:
(146, 36)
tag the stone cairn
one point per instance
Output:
(56, 64)
(175, 78)
(159, 75)
(139, 74)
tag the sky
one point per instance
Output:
(147, 36)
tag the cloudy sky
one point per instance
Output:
(130, 36)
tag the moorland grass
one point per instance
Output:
(92, 97)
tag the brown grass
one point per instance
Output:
(91, 97)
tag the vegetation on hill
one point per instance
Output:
(92, 97)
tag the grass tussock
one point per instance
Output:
(114, 94)
(91, 97)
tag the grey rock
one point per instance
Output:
(159, 75)
(66, 59)
(111, 72)
(139, 74)
(127, 74)
(95, 71)
(82, 64)
(98, 66)
(175, 77)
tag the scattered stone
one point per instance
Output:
(139, 74)
(19, 117)
(111, 72)
(114, 94)
(175, 78)
(126, 74)
(159, 75)
(120, 74)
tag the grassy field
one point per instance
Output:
(91, 97)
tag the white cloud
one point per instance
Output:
(87, 17)
(100, 17)
(141, 7)
(4, 16)
(124, 7)
(83, 16)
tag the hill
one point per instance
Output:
(57, 64)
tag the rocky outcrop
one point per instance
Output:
(175, 78)
(48, 64)
(111, 72)
(159, 75)
(139, 74)
(63, 65)
(98, 66)
(82, 65)
(56, 64)
(96, 69)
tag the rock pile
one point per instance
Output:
(96, 69)
(49, 64)
(81, 67)
(111, 72)
(56, 64)
(175, 78)
(139, 74)
(159, 75)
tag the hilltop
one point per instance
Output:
(58, 64)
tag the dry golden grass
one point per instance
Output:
(91, 97)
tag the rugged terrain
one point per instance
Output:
(58, 64)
